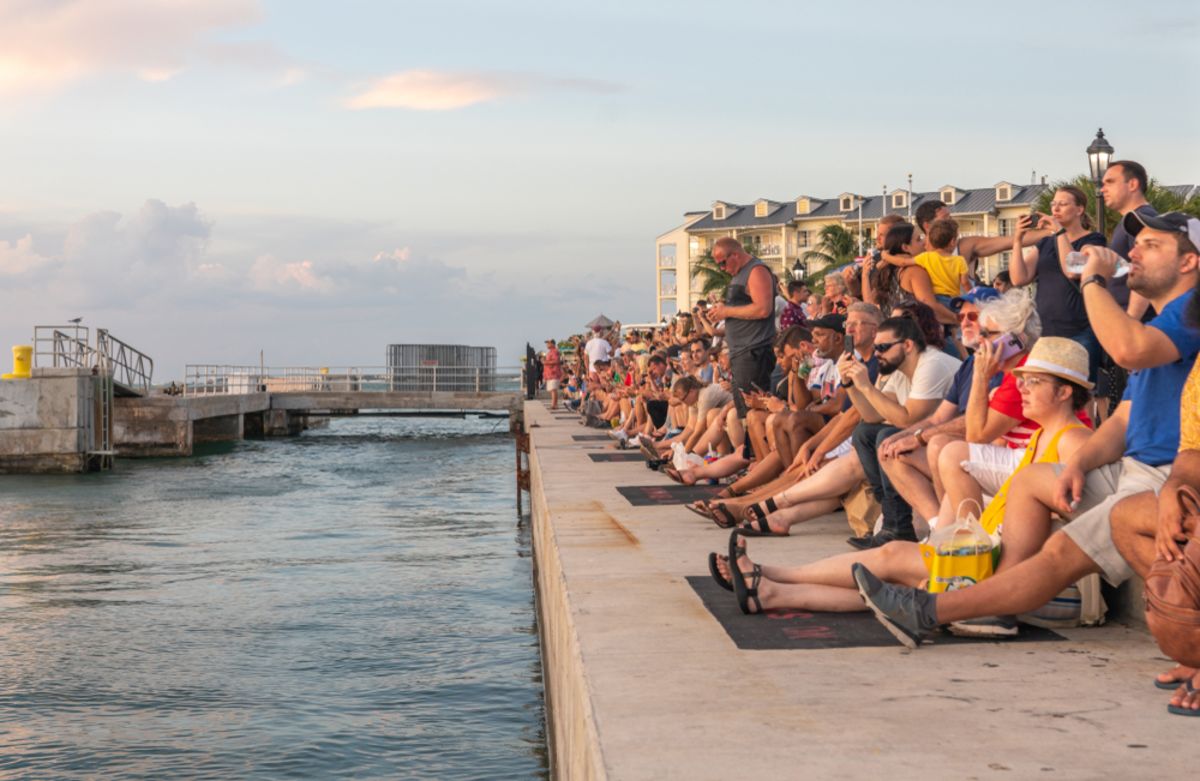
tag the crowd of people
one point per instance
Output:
(1061, 401)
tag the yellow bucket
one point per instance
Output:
(22, 361)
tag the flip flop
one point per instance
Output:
(744, 593)
(1179, 710)
(700, 508)
(721, 516)
(673, 473)
(716, 572)
(759, 528)
(1170, 686)
(648, 450)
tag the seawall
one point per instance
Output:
(644, 683)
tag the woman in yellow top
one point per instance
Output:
(1051, 392)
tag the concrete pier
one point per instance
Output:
(643, 683)
(48, 422)
(172, 425)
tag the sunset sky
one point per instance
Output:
(208, 178)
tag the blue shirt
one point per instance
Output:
(960, 388)
(1152, 436)
(872, 372)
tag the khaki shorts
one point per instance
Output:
(551, 385)
(991, 465)
(1091, 527)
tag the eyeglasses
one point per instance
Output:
(883, 347)
(968, 317)
(1032, 381)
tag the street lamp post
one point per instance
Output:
(1099, 154)
(861, 244)
(799, 270)
(909, 199)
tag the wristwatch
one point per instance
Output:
(1094, 278)
(917, 435)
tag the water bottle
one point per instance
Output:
(1076, 261)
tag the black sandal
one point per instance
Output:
(716, 572)
(758, 512)
(744, 593)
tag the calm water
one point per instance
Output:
(355, 602)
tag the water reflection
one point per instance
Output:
(358, 606)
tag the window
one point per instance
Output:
(1005, 226)
(846, 204)
(899, 200)
(719, 211)
(696, 247)
(948, 196)
(760, 209)
(1003, 192)
(802, 238)
(666, 255)
(803, 206)
(666, 283)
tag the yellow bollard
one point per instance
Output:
(22, 358)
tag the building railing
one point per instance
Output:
(213, 379)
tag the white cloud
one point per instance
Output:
(19, 258)
(432, 90)
(398, 255)
(46, 45)
(271, 275)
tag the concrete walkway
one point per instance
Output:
(644, 683)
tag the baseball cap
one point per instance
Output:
(1171, 222)
(976, 295)
(834, 322)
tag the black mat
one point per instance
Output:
(614, 457)
(591, 437)
(641, 495)
(780, 630)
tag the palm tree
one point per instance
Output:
(836, 246)
(1162, 199)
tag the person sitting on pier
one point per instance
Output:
(1131, 453)
(1051, 395)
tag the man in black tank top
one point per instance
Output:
(749, 315)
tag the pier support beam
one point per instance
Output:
(225, 428)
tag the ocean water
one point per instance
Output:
(355, 602)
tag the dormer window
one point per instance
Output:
(719, 211)
(846, 203)
(1004, 191)
(803, 206)
(760, 209)
(899, 200)
(948, 194)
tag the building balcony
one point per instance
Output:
(768, 251)
(667, 292)
(666, 262)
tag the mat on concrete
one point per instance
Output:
(783, 630)
(614, 457)
(642, 495)
(591, 437)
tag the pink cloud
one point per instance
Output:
(431, 90)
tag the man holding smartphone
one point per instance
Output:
(749, 314)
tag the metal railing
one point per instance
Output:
(130, 367)
(214, 379)
(63, 347)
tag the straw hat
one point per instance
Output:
(1058, 356)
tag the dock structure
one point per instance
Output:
(85, 403)
(644, 682)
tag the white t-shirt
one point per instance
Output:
(597, 349)
(825, 379)
(711, 397)
(931, 380)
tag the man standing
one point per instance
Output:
(1124, 188)
(749, 315)
(552, 371)
(915, 379)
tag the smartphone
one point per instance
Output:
(1006, 346)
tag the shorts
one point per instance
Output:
(749, 368)
(1091, 526)
(991, 465)
(847, 446)
(657, 410)
(552, 385)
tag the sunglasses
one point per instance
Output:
(968, 317)
(883, 347)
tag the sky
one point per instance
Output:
(209, 179)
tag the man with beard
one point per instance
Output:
(912, 382)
